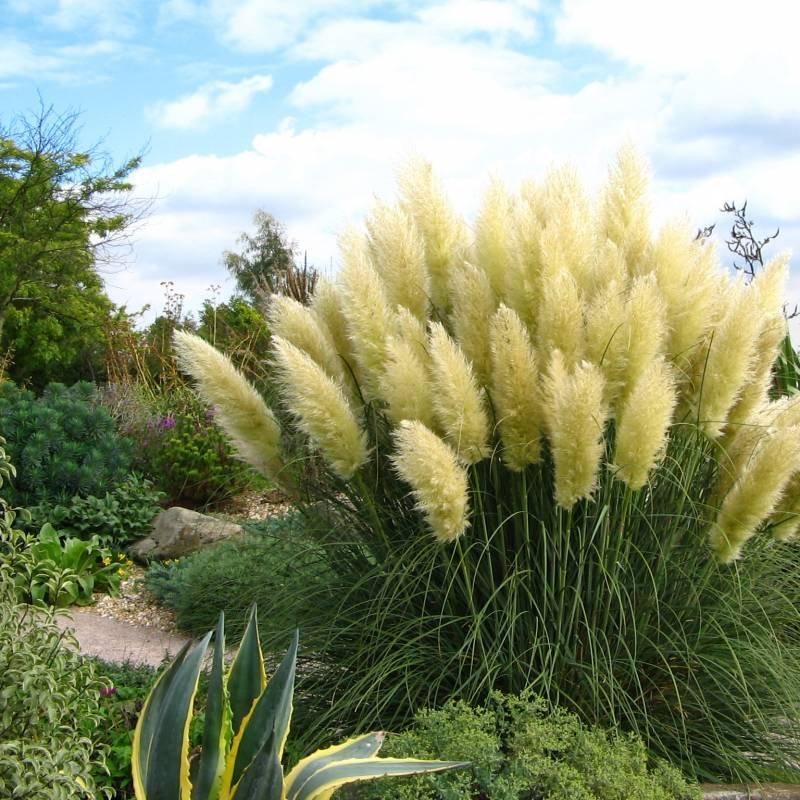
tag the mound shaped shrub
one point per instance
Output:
(547, 454)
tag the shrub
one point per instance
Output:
(541, 449)
(231, 576)
(120, 516)
(518, 749)
(62, 444)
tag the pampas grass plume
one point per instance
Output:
(575, 414)
(756, 492)
(643, 424)
(560, 320)
(457, 399)
(515, 389)
(405, 385)
(239, 409)
(321, 409)
(493, 236)
(474, 303)
(327, 305)
(438, 482)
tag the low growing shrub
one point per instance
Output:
(62, 444)
(519, 749)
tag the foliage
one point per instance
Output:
(48, 705)
(120, 516)
(245, 729)
(61, 209)
(520, 750)
(234, 574)
(62, 443)
(265, 264)
(550, 444)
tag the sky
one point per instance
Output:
(307, 109)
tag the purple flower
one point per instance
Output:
(108, 691)
(165, 423)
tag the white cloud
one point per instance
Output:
(20, 59)
(481, 16)
(211, 101)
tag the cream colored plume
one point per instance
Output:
(398, 253)
(474, 303)
(515, 389)
(494, 235)
(687, 278)
(298, 324)
(239, 409)
(458, 402)
(408, 328)
(327, 304)
(607, 337)
(321, 409)
(785, 522)
(405, 385)
(560, 323)
(522, 282)
(725, 364)
(438, 483)
(575, 415)
(444, 234)
(625, 212)
(643, 424)
(369, 317)
(756, 493)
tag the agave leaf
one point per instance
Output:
(366, 746)
(160, 757)
(263, 778)
(325, 781)
(217, 726)
(247, 678)
(271, 714)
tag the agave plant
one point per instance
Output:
(245, 730)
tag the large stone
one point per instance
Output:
(179, 531)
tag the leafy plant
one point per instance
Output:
(245, 730)
(120, 516)
(541, 451)
(62, 443)
(519, 749)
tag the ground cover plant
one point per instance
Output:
(518, 748)
(547, 456)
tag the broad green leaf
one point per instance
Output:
(263, 779)
(247, 677)
(216, 728)
(366, 746)
(323, 783)
(160, 757)
(272, 712)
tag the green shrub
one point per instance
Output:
(49, 701)
(233, 575)
(190, 459)
(520, 750)
(120, 516)
(62, 443)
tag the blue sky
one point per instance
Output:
(306, 109)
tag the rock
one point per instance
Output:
(179, 531)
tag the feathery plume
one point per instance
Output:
(575, 416)
(296, 323)
(606, 337)
(643, 424)
(327, 305)
(239, 409)
(560, 323)
(398, 253)
(493, 236)
(321, 409)
(756, 492)
(515, 389)
(785, 522)
(405, 385)
(444, 234)
(474, 303)
(408, 328)
(523, 277)
(368, 314)
(457, 399)
(438, 483)
(725, 364)
(625, 212)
